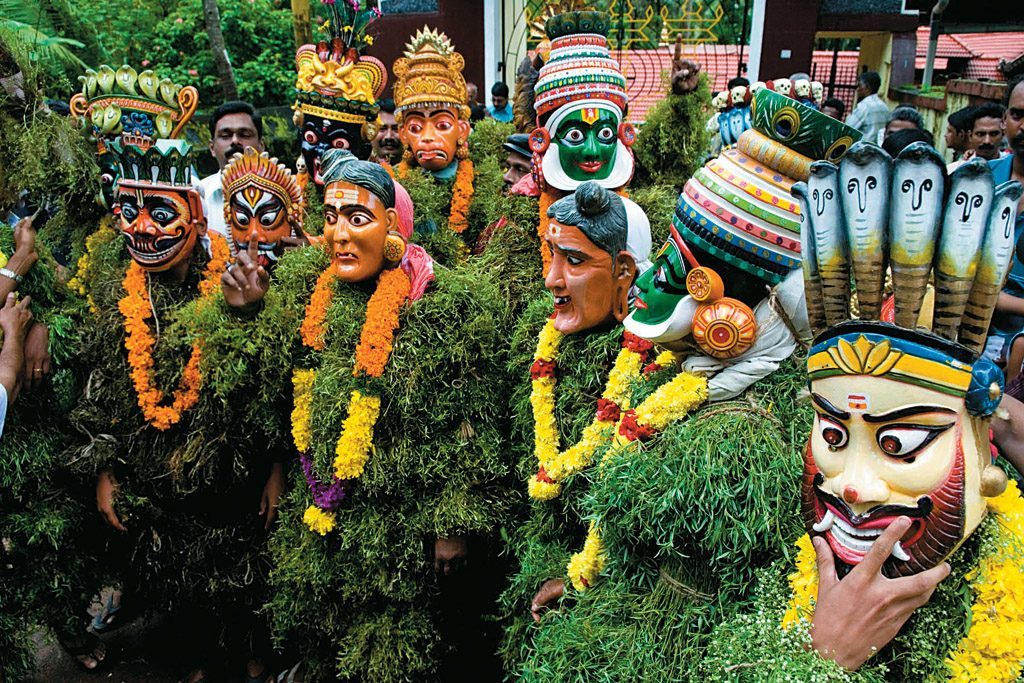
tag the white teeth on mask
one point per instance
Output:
(826, 522)
(858, 540)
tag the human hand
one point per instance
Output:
(106, 488)
(300, 239)
(550, 592)
(15, 316)
(856, 617)
(245, 282)
(450, 554)
(37, 356)
(271, 497)
(25, 240)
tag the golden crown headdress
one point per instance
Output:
(335, 81)
(430, 73)
(140, 107)
(260, 170)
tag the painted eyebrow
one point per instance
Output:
(909, 411)
(823, 403)
(571, 252)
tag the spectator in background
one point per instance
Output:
(477, 111)
(518, 163)
(870, 115)
(736, 82)
(988, 131)
(903, 118)
(834, 107)
(233, 127)
(387, 146)
(958, 131)
(1008, 321)
(500, 108)
(900, 139)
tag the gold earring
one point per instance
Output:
(407, 156)
(394, 247)
(461, 150)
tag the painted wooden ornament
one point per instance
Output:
(705, 285)
(725, 328)
(627, 133)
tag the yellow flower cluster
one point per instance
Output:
(302, 385)
(83, 272)
(356, 438)
(318, 520)
(587, 564)
(672, 401)
(804, 584)
(991, 650)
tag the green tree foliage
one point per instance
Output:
(672, 142)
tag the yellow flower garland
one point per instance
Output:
(669, 403)
(990, 652)
(614, 422)
(372, 353)
(555, 466)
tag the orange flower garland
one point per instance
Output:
(378, 331)
(312, 330)
(462, 193)
(546, 199)
(136, 308)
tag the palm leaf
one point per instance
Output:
(41, 46)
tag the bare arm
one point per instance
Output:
(24, 256)
(1008, 303)
(14, 320)
(1008, 431)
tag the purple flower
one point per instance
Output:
(325, 496)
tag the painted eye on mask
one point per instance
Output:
(242, 218)
(340, 143)
(129, 211)
(574, 136)
(268, 219)
(310, 137)
(163, 215)
(904, 442)
(606, 135)
(834, 434)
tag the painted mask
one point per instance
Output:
(159, 224)
(677, 298)
(357, 227)
(107, 162)
(161, 212)
(885, 446)
(590, 282)
(802, 89)
(318, 134)
(587, 143)
(433, 136)
(260, 195)
(720, 101)
(783, 86)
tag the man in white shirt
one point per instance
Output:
(233, 127)
(871, 115)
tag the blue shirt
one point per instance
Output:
(1003, 323)
(504, 115)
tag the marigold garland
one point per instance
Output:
(462, 193)
(614, 421)
(544, 202)
(669, 403)
(136, 308)
(372, 353)
(990, 651)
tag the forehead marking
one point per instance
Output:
(589, 115)
(344, 196)
(857, 403)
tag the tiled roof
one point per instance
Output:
(949, 45)
(1006, 46)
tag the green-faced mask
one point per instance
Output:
(587, 141)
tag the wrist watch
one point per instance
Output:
(7, 272)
